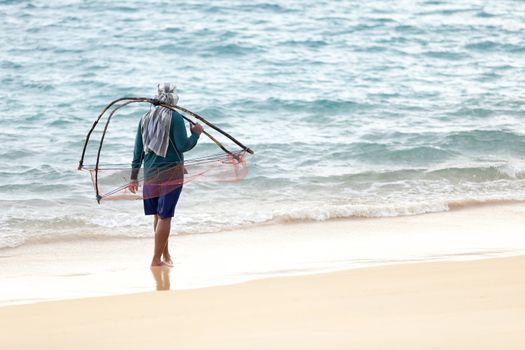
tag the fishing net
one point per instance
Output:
(114, 181)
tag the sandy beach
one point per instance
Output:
(445, 305)
(359, 181)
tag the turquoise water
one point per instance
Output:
(353, 108)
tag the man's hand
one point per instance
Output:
(196, 129)
(133, 186)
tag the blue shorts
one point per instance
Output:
(163, 205)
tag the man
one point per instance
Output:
(160, 142)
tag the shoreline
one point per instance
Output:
(469, 304)
(453, 206)
(76, 269)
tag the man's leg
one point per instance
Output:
(155, 220)
(166, 256)
(162, 232)
(167, 205)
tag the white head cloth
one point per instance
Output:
(156, 123)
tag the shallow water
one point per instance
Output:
(353, 109)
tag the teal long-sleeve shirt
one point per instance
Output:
(179, 138)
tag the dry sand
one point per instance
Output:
(443, 305)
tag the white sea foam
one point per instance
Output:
(53, 229)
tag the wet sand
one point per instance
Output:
(445, 305)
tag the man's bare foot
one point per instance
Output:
(158, 263)
(167, 260)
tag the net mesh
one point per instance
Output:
(113, 181)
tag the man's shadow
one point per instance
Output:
(162, 277)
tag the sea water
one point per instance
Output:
(353, 109)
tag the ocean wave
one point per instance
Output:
(319, 106)
(484, 174)
(265, 7)
(230, 50)
(16, 154)
(14, 240)
(22, 227)
(34, 230)
(482, 141)
(485, 14)
(408, 29)
(473, 203)
(488, 45)
(380, 153)
(478, 174)
(71, 229)
(446, 55)
(383, 211)
(309, 43)
(32, 174)
(448, 12)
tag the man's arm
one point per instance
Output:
(180, 136)
(138, 152)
